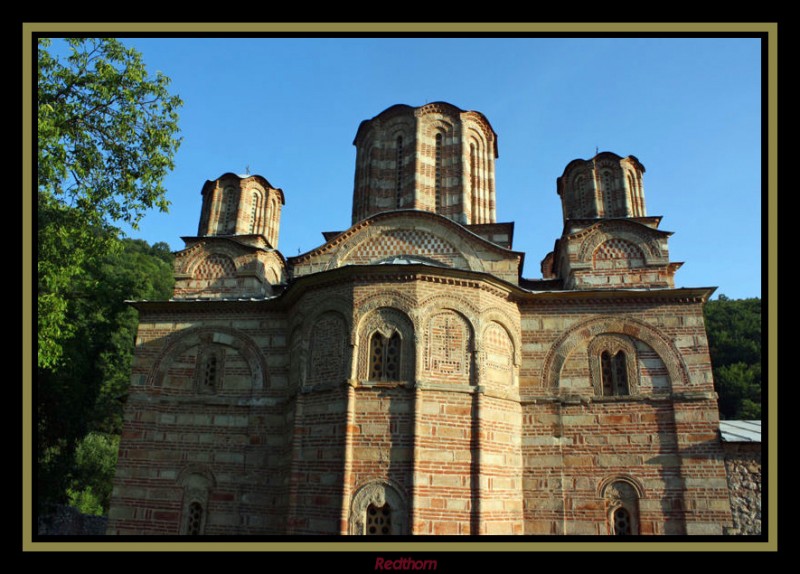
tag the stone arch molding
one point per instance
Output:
(604, 488)
(387, 321)
(613, 343)
(336, 304)
(378, 492)
(511, 327)
(584, 332)
(460, 305)
(621, 491)
(200, 336)
(389, 298)
(196, 482)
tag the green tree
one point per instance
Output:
(107, 136)
(734, 336)
(79, 403)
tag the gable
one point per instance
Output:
(409, 236)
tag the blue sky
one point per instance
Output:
(288, 108)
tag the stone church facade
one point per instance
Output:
(404, 378)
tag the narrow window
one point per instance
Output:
(438, 180)
(391, 370)
(194, 520)
(622, 522)
(608, 199)
(210, 374)
(209, 369)
(376, 357)
(385, 358)
(379, 520)
(399, 172)
(581, 199)
(473, 169)
(255, 212)
(620, 374)
(229, 222)
(605, 364)
(615, 373)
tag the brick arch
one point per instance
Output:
(335, 303)
(600, 234)
(586, 331)
(197, 336)
(616, 248)
(494, 354)
(497, 315)
(606, 483)
(432, 126)
(379, 492)
(387, 298)
(460, 305)
(476, 135)
(202, 470)
(196, 259)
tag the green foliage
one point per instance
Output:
(734, 336)
(107, 137)
(93, 473)
(84, 394)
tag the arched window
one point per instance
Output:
(399, 172)
(386, 346)
(438, 180)
(579, 196)
(229, 214)
(255, 212)
(622, 506)
(608, 197)
(378, 508)
(613, 365)
(385, 357)
(473, 170)
(615, 373)
(194, 519)
(196, 484)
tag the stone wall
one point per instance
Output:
(743, 466)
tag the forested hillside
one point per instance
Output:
(734, 336)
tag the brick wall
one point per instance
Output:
(497, 424)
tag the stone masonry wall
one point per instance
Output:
(743, 465)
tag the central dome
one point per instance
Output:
(436, 158)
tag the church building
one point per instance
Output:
(404, 378)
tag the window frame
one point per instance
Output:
(613, 344)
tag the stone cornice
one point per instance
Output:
(417, 272)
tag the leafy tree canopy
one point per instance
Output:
(734, 337)
(80, 401)
(107, 136)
